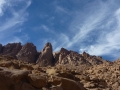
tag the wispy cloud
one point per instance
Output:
(97, 32)
(108, 42)
(11, 23)
(2, 2)
(60, 9)
(40, 28)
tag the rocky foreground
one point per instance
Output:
(24, 68)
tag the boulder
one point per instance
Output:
(37, 81)
(26, 86)
(46, 56)
(9, 79)
(68, 84)
(28, 53)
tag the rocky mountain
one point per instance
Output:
(47, 57)
(22, 67)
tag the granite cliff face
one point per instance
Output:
(24, 68)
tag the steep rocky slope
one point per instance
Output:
(23, 68)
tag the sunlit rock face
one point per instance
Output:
(46, 56)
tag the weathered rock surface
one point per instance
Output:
(10, 78)
(46, 56)
(37, 80)
(28, 53)
(73, 58)
(62, 54)
(11, 49)
(68, 84)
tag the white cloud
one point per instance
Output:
(108, 43)
(82, 29)
(11, 24)
(101, 22)
(62, 10)
(44, 27)
(2, 2)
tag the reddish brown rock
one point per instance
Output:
(37, 81)
(28, 53)
(56, 56)
(11, 49)
(93, 60)
(9, 79)
(26, 86)
(46, 56)
(62, 54)
(68, 84)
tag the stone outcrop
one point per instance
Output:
(0, 48)
(74, 58)
(11, 49)
(46, 57)
(59, 56)
(28, 53)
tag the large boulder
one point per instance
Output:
(46, 56)
(9, 79)
(28, 53)
(11, 49)
(26, 86)
(37, 80)
(68, 84)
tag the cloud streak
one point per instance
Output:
(96, 33)
(11, 24)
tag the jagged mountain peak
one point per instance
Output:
(46, 57)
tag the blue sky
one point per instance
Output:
(80, 25)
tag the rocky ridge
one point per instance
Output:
(23, 68)
(46, 56)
